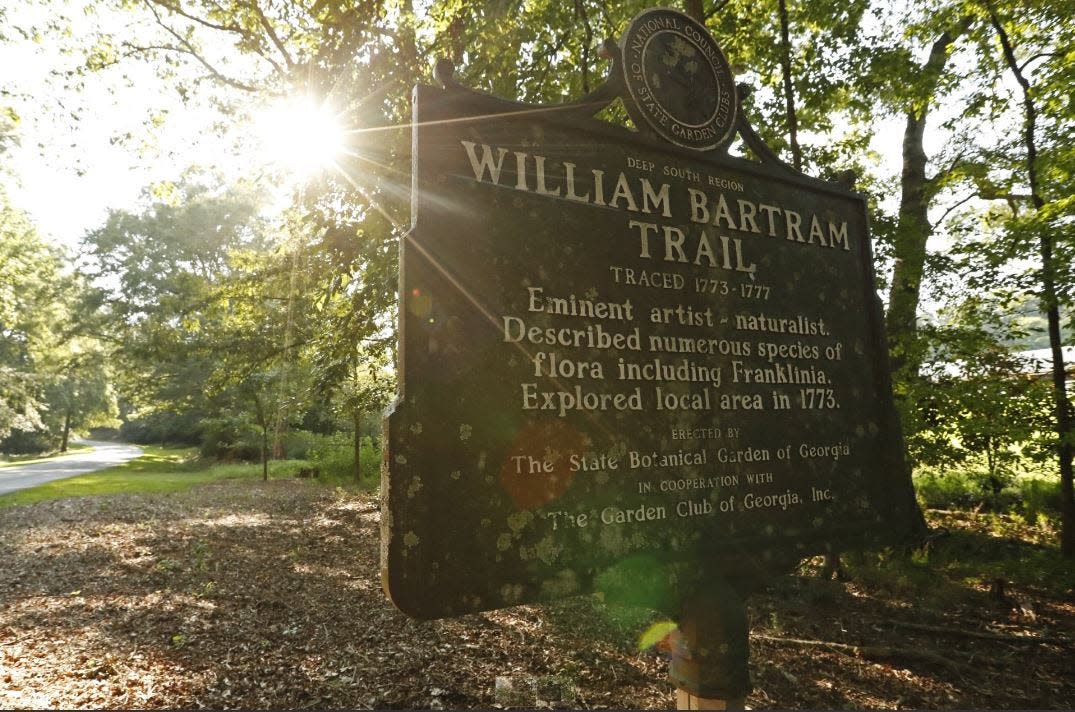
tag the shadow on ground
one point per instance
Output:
(243, 594)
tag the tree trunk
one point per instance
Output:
(357, 417)
(1050, 303)
(279, 435)
(912, 233)
(66, 430)
(991, 460)
(694, 10)
(264, 453)
(913, 229)
(789, 88)
(1064, 451)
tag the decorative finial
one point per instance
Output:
(443, 71)
(846, 179)
(609, 49)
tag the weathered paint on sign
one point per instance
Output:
(616, 355)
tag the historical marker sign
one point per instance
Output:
(612, 347)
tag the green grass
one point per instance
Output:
(158, 470)
(1033, 495)
(973, 550)
(334, 460)
(11, 460)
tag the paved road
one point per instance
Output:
(105, 454)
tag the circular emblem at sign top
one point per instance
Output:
(679, 81)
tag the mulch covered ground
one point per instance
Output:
(268, 595)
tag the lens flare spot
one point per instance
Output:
(537, 469)
(420, 305)
(657, 634)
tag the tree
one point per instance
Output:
(368, 389)
(80, 394)
(976, 396)
(801, 58)
(28, 306)
(160, 294)
(1043, 37)
(50, 380)
(918, 191)
(359, 58)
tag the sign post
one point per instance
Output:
(711, 670)
(630, 361)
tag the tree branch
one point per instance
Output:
(871, 652)
(950, 210)
(985, 194)
(580, 11)
(980, 635)
(789, 90)
(1028, 106)
(271, 32)
(171, 7)
(936, 177)
(548, 64)
(235, 83)
(187, 48)
(1036, 57)
(717, 7)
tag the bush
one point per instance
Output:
(1039, 498)
(104, 433)
(969, 489)
(335, 457)
(164, 427)
(298, 444)
(231, 438)
(28, 443)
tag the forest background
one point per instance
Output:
(250, 311)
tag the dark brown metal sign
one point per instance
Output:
(617, 350)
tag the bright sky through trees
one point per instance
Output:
(133, 130)
(93, 144)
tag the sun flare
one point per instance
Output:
(301, 135)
